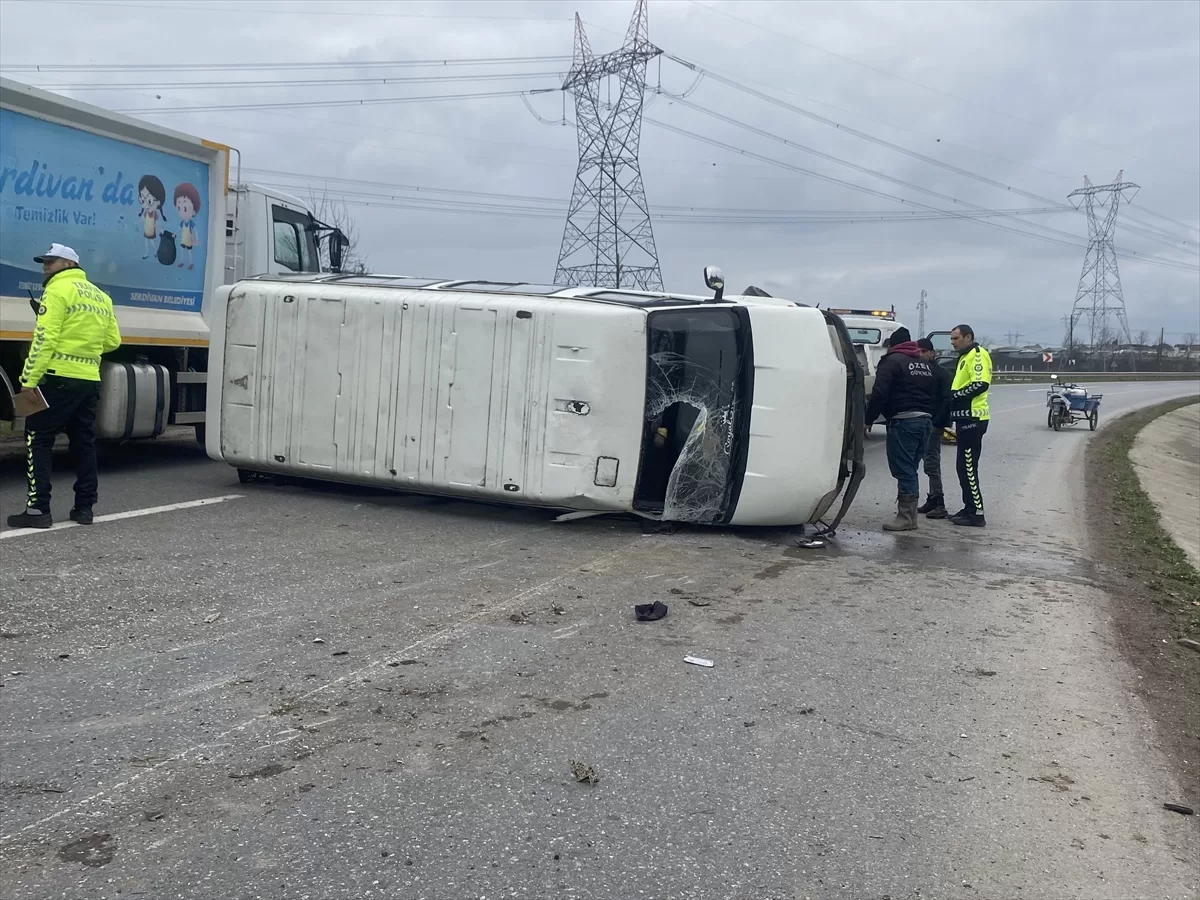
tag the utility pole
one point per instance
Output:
(1099, 294)
(1162, 335)
(608, 240)
(921, 307)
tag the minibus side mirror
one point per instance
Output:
(714, 281)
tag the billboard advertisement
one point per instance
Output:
(137, 217)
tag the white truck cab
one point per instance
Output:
(869, 331)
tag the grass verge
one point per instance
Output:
(1169, 576)
(1154, 594)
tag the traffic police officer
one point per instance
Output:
(970, 414)
(75, 327)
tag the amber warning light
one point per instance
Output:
(877, 313)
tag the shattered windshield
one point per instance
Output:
(696, 395)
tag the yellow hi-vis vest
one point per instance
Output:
(968, 391)
(75, 327)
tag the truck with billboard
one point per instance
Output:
(158, 225)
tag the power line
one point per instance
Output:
(315, 104)
(815, 214)
(1168, 219)
(283, 66)
(776, 32)
(207, 8)
(857, 187)
(1129, 254)
(141, 86)
(817, 117)
(710, 216)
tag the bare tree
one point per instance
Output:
(334, 212)
(1142, 338)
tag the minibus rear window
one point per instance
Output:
(697, 401)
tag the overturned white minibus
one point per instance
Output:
(717, 410)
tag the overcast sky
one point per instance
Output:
(1031, 95)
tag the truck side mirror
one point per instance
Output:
(338, 243)
(714, 281)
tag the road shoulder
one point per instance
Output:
(1154, 590)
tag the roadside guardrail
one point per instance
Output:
(1025, 377)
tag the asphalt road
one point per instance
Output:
(320, 693)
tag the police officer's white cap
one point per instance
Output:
(58, 251)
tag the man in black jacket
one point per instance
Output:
(906, 392)
(934, 506)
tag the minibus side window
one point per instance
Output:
(695, 386)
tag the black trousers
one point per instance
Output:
(970, 434)
(71, 408)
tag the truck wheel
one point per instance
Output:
(1094, 419)
(245, 476)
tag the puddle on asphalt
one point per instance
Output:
(929, 549)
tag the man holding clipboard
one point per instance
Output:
(61, 383)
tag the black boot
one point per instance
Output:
(969, 518)
(82, 515)
(31, 518)
(934, 503)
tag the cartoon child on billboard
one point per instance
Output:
(151, 195)
(187, 205)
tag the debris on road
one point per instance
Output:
(209, 619)
(984, 673)
(1182, 810)
(584, 772)
(650, 612)
(521, 618)
(697, 661)
(318, 640)
(700, 601)
(268, 771)
(341, 652)
(1189, 643)
(557, 608)
(808, 710)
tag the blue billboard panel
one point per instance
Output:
(136, 217)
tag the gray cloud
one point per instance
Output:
(1033, 95)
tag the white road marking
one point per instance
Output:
(128, 514)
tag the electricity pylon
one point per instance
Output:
(1099, 296)
(608, 240)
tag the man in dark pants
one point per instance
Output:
(75, 327)
(934, 506)
(906, 393)
(971, 414)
